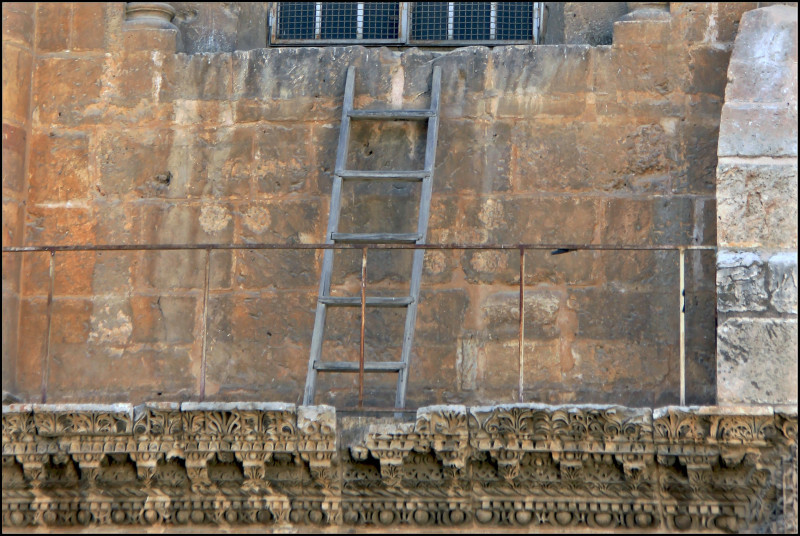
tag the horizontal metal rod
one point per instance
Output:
(189, 247)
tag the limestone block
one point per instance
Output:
(161, 39)
(525, 70)
(18, 22)
(89, 26)
(500, 313)
(754, 207)
(57, 225)
(437, 373)
(621, 372)
(17, 64)
(279, 221)
(707, 69)
(783, 282)
(30, 355)
(196, 77)
(71, 320)
(111, 374)
(758, 130)
(255, 370)
(14, 141)
(65, 90)
(441, 315)
(164, 319)
(626, 315)
(768, 33)
(761, 80)
(491, 266)
(53, 26)
(12, 262)
(741, 282)
(641, 32)
(697, 173)
(757, 361)
(283, 159)
(12, 222)
(651, 69)
(59, 167)
(591, 23)
(168, 271)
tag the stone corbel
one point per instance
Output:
(633, 462)
(390, 445)
(569, 463)
(197, 470)
(508, 462)
(89, 465)
(316, 427)
(146, 465)
(254, 467)
(32, 468)
(445, 429)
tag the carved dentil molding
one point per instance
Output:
(603, 467)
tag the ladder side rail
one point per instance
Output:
(333, 224)
(422, 230)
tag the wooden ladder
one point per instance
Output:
(325, 300)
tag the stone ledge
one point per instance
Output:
(513, 466)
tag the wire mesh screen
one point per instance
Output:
(329, 21)
(381, 20)
(339, 20)
(514, 21)
(431, 23)
(472, 21)
(296, 20)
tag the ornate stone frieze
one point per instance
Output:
(519, 465)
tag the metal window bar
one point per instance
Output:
(555, 249)
(468, 23)
(421, 23)
(338, 23)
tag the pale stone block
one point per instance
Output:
(783, 282)
(757, 361)
(757, 205)
(758, 129)
(741, 282)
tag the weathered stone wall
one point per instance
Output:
(757, 213)
(17, 68)
(221, 26)
(572, 144)
(581, 23)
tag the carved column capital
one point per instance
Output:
(148, 26)
(154, 15)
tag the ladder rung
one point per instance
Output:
(352, 174)
(377, 238)
(399, 115)
(352, 366)
(347, 301)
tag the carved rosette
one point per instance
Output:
(520, 465)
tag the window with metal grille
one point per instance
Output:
(414, 23)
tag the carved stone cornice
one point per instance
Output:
(604, 467)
